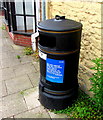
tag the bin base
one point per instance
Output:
(58, 102)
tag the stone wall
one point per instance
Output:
(89, 14)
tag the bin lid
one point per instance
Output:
(59, 24)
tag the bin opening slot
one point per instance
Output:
(47, 41)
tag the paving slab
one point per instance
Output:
(12, 105)
(7, 48)
(0, 89)
(9, 61)
(0, 74)
(36, 64)
(3, 55)
(18, 84)
(0, 108)
(0, 65)
(17, 47)
(10, 56)
(4, 35)
(8, 73)
(1, 44)
(0, 55)
(8, 40)
(19, 52)
(7, 54)
(4, 89)
(24, 68)
(26, 59)
(5, 64)
(38, 112)
(31, 98)
(34, 77)
(55, 116)
(14, 62)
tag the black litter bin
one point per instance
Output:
(59, 48)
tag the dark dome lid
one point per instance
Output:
(59, 23)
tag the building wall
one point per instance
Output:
(18, 39)
(89, 14)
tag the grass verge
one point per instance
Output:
(83, 108)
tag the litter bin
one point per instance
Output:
(59, 48)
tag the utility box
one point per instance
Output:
(59, 48)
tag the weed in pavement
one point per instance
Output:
(18, 57)
(28, 51)
(3, 27)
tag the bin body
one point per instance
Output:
(59, 57)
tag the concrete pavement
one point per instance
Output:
(19, 83)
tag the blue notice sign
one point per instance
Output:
(55, 70)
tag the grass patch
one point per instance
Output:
(86, 107)
(83, 108)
